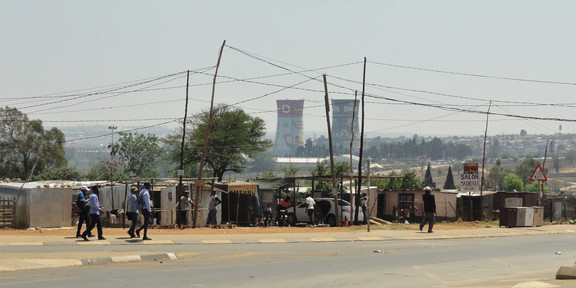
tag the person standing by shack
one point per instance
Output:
(310, 209)
(429, 209)
(185, 205)
(133, 210)
(95, 210)
(212, 209)
(144, 207)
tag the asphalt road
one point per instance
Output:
(478, 262)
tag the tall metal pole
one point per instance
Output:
(199, 182)
(181, 171)
(334, 189)
(483, 162)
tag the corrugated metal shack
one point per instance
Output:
(39, 206)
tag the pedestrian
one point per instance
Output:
(83, 209)
(364, 202)
(132, 213)
(95, 210)
(212, 209)
(185, 205)
(310, 208)
(429, 209)
(144, 207)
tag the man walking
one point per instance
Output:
(95, 210)
(83, 210)
(144, 207)
(133, 210)
(429, 209)
(212, 209)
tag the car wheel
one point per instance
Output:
(331, 220)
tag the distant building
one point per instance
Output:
(344, 111)
(289, 128)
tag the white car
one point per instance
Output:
(326, 211)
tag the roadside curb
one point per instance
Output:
(12, 265)
(129, 258)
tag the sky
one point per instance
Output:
(432, 67)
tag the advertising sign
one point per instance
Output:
(469, 180)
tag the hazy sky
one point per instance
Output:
(432, 66)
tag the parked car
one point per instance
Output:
(325, 212)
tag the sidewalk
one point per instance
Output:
(204, 236)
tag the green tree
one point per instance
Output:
(525, 169)
(512, 183)
(63, 173)
(25, 146)
(234, 137)
(428, 177)
(263, 161)
(449, 183)
(138, 154)
(290, 171)
(570, 156)
(496, 176)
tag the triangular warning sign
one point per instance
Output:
(538, 174)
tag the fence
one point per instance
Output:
(6, 212)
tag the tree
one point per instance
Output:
(512, 183)
(449, 184)
(525, 169)
(138, 154)
(62, 173)
(263, 161)
(234, 137)
(428, 177)
(570, 156)
(290, 171)
(26, 148)
(496, 176)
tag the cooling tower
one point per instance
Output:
(289, 128)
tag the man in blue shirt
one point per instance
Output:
(133, 210)
(83, 214)
(95, 210)
(144, 207)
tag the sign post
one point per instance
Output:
(538, 175)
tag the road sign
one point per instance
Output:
(538, 174)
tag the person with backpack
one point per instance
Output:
(83, 209)
(133, 211)
(144, 207)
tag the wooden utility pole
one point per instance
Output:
(199, 183)
(181, 171)
(357, 198)
(352, 208)
(334, 187)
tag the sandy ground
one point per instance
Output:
(66, 231)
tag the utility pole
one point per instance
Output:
(112, 164)
(199, 183)
(361, 143)
(367, 218)
(334, 189)
(181, 171)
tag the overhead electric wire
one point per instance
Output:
(475, 75)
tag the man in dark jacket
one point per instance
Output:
(429, 209)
